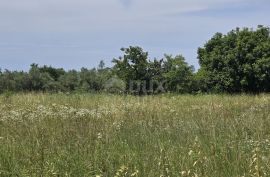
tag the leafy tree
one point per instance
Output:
(22, 81)
(35, 77)
(55, 73)
(90, 80)
(155, 77)
(148, 76)
(238, 61)
(133, 67)
(178, 74)
(40, 80)
(101, 65)
(70, 80)
(199, 82)
(7, 81)
(14, 81)
(45, 78)
(115, 85)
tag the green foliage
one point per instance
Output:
(238, 61)
(94, 80)
(40, 81)
(115, 85)
(14, 81)
(178, 74)
(132, 66)
(144, 76)
(49, 79)
(55, 73)
(70, 80)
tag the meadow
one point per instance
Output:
(104, 135)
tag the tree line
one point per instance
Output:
(238, 61)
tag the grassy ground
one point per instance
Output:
(106, 135)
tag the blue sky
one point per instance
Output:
(79, 33)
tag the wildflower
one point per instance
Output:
(135, 173)
(99, 136)
(183, 173)
(190, 152)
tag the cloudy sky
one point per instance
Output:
(76, 33)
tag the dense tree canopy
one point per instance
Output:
(132, 67)
(49, 79)
(238, 61)
(145, 76)
(178, 74)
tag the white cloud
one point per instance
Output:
(57, 30)
(59, 15)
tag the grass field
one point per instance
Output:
(108, 135)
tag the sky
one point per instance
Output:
(71, 34)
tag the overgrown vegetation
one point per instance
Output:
(109, 135)
(65, 131)
(236, 62)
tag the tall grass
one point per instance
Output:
(108, 135)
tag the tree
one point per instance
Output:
(90, 80)
(7, 82)
(115, 85)
(155, 77)
(55, 73)
(132, 68)
(101, 65)
(238, 61)
(35, 77)
(70, 80)
(178, 74)
(22, 81)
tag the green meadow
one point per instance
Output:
(104, 135)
